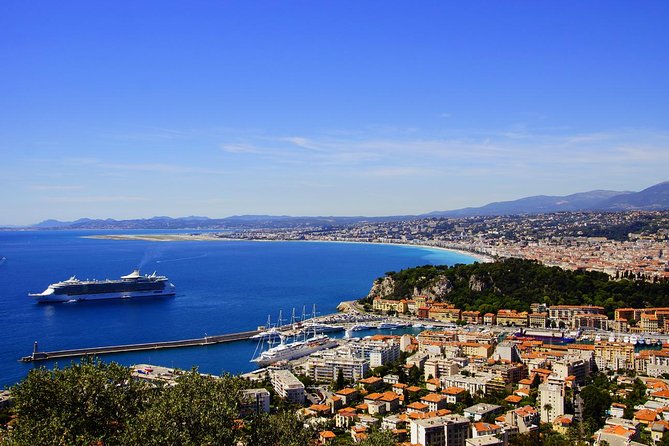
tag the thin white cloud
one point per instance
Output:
(53, 187)
(95, 199)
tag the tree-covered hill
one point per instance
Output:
(515, 284)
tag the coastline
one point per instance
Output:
(478, 257)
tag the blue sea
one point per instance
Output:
(222, 287)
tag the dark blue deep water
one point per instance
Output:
(221, 287)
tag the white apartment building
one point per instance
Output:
(287, 386)
(551, 399)
(450, 430)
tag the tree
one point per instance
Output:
(199, 410)
(340, 383)
(378, 438)
(282, 428)
(596, 401)
(77, 405)
(94, 403)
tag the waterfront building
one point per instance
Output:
(397, 306)
(512, 318)
(614, 355)
(590, 322)
(472, 317)
(566, 313)
(444, 313)
(538, 320)
(287, 386)
(489, 319)
(449, 430)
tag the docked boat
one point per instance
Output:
(390, 326)
(132, 285)
(360, 327)
(317, 327)
(293, 350)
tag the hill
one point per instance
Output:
(653, 198)
(515, 284)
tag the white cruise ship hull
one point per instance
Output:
(47, 297)
(287, 352)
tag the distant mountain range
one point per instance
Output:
(653, 198)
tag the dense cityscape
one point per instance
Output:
(614, 243)
(558, 373)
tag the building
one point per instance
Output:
(578, 368)
(434, 401)
(525, 419)
(254, 401)
(538, 320)
(512, 318)
(565, 313)
(327, 367)
(377, 352)
(551, 399)
(287, 386)
(478, 411)
(614, 355)
(472, 317)
(590, 322)
(477, 349)
(386, 305)
(475, 385)
(444, 313)
(437, 367)
(449, 430)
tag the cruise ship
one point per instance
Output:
(130, 286)
(293, 350)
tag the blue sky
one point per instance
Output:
(130, 109)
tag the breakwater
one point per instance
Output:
(207, 340)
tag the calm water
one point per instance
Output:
(221, 287)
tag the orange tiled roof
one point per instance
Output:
(433, 398)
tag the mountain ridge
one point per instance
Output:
(652, 198)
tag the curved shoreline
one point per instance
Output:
(478, 257)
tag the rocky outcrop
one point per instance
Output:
(382, 288)
(438, 288)
(477, 284)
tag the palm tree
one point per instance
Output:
(547, 408)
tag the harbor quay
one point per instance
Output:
(479, 381)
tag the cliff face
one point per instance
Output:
(387, 288)
(383, 288)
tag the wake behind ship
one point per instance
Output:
(131, 286)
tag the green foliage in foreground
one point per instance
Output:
(94, 403)
(516, 283)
